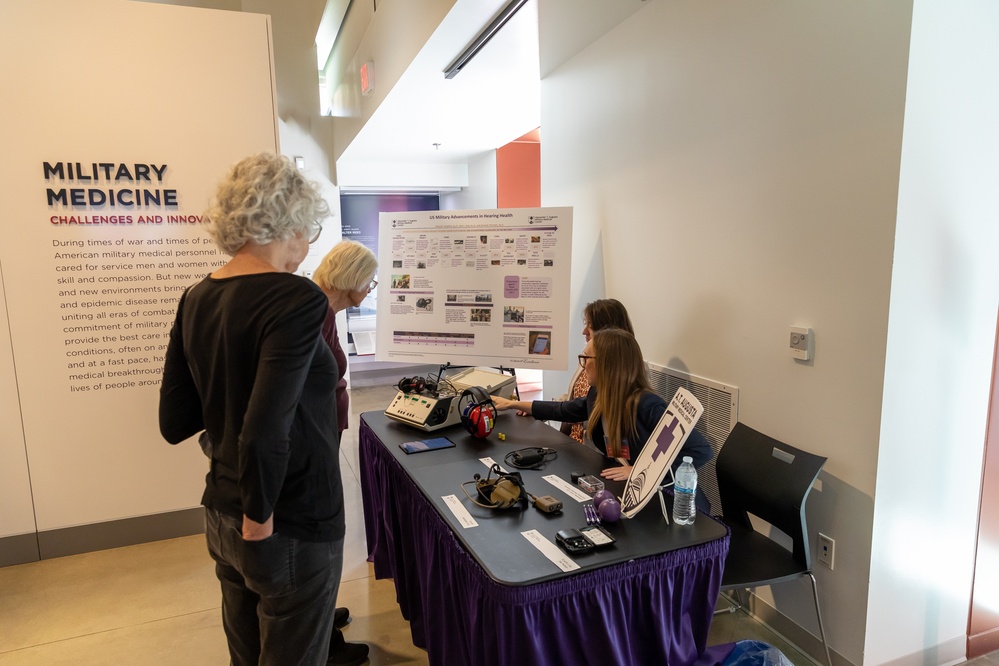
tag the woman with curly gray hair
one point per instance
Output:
(246, 364)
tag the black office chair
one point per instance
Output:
(761, 476)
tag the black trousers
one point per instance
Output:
(278, 594)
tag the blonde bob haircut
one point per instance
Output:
(620, 380)
(349, 266)
(263, 198)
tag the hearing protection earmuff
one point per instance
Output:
(412, 384)
(478, 413)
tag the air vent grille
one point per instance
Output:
(721, 412)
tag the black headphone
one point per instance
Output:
(504, 491)
(412, 384)
(478, 412)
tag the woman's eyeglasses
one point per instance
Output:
(372, 285)
(315, 235)
(582, 360)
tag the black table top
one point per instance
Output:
(497, 543)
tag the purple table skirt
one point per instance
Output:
(655, 610)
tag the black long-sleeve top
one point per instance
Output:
(651, 408)
(246, 363)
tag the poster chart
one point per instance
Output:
(475, 287)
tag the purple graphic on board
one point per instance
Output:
(511, 286)
(667, 437)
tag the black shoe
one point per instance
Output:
(341, 618)
(349, 654)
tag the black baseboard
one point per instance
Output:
(101, 536)
(18, 549)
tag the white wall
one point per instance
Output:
(480, 192)
(733, 169)
(941, 334)
(79, 87)
(386, 176)
(16, 511)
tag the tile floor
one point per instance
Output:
(157, 604)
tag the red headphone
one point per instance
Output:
(478, 413)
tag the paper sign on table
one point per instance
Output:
(660, 451)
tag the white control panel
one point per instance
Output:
(423, 410)
(434, 408)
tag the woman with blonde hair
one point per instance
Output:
(346, 275)
(620, 406)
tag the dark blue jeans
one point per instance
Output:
(278, 594)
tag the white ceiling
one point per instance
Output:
(492, 101)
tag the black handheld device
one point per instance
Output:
(573, 542)
(422, 445)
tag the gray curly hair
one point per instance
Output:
(263, 198)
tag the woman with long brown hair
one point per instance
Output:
(621, 407)
(597, 315)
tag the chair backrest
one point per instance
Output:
(760, 475)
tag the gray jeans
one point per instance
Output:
(278, 594)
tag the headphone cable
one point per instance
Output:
(531, 457)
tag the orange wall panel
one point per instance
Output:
(518, 175)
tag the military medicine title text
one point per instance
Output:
(110, 187)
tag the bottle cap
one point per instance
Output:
(688, 459)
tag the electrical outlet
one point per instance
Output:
(827, 550)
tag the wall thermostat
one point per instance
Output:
(801, 343)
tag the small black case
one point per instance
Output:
(573, 542)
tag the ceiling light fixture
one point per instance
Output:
(482, 38)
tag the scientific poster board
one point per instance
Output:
(475, 287)
(109, 162)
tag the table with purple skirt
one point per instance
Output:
(487, 595)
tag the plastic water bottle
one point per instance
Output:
(684, 487)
